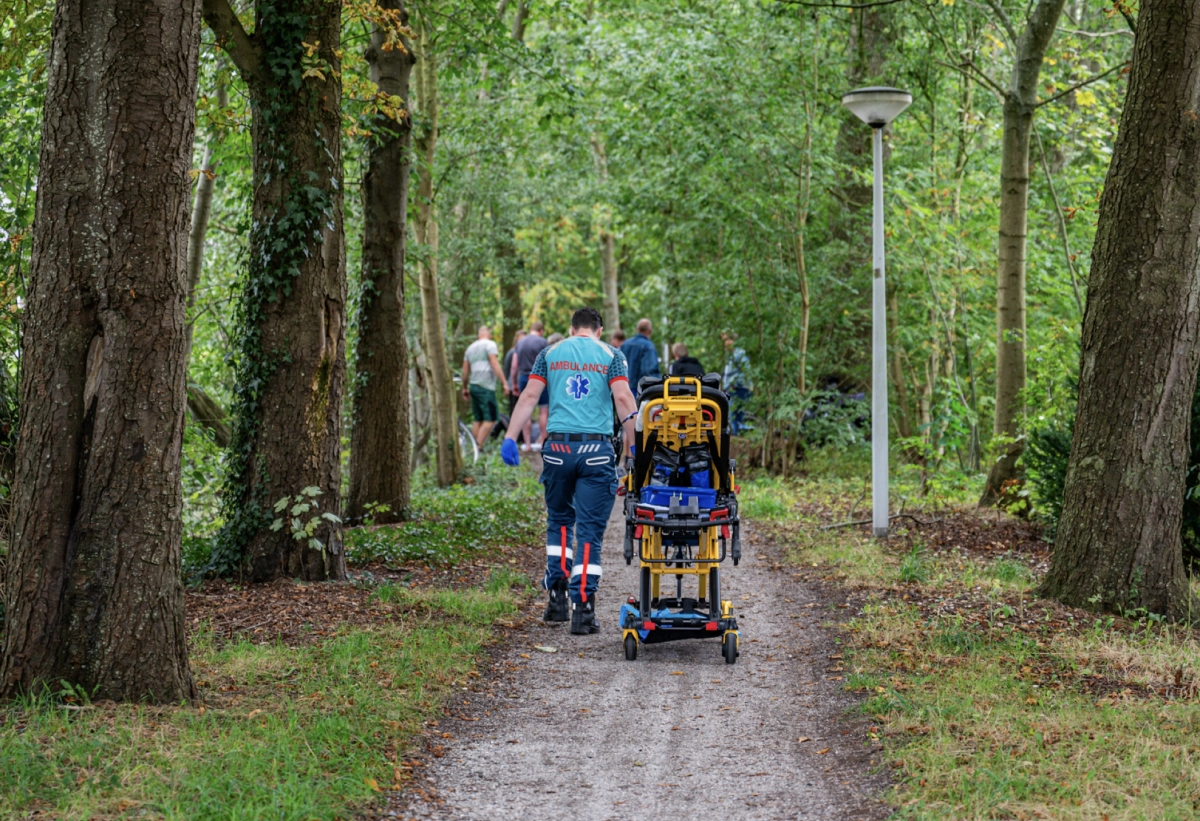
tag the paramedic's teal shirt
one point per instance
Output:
(578, 373)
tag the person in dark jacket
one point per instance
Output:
(684, 365)
(640, 354)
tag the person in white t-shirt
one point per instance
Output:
(481, 370)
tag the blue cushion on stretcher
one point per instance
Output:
(661, 495)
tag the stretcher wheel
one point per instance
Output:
(729, 648)
(630, 648)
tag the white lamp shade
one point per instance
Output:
(877, 105)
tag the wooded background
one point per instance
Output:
(372, 180)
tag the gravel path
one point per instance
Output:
(585, 735)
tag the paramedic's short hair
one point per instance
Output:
(587, 318)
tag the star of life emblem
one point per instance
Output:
(577, 386)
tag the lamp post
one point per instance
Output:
(877, 106)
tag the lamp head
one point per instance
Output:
(876, 105)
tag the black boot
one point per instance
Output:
(583, 620)
(559, 606)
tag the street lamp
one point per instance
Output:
(877, 106)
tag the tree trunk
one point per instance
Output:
(901, 408)
(291, 358)
(607, 241)
(441, 387)
(1118, 544)
(608, 274)
(205, 186)
(380, 437)
(93, 590)
(510, 298)
(511, 267)
(207, 412)
(1020, 100)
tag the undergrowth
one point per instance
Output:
(985, 702)
(500, 507)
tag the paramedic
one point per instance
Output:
(583, 377)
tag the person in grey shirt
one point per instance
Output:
(481, 370)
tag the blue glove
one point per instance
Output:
(509, 452)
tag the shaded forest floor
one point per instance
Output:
(989, 702)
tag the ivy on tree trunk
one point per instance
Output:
(290, 358)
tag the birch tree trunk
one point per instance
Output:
(92, 591)
(1118, 545)
(1020, 100)
(205, 186)
(380, 436)
(441, 383)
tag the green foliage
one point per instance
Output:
(765, 498)
(1045, 457)
(914, 567)
(202, 466)
(500, 508)
(303, 517)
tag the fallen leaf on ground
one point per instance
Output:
(639, 764)
(543, 648)
(822, 752)
(803, 738)
(524, 655)
(677, 673)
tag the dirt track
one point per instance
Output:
(583, 734)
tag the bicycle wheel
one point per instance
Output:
(467, 445)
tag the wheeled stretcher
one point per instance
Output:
(681, 515)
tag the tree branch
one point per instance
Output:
(979, 76)
(1080, 85)
(232, 37)
(1005, 20)
(1062, 221)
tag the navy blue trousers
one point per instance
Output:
(580, 479)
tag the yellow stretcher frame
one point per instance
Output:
(679, 421)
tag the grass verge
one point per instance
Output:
(283, 732)
(499, 507)
(988, 703)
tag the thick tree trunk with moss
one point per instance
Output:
(441, 387)
(92, 591)
(379, 439)
(291, 360)
(1020, 100)
(1118, 545)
